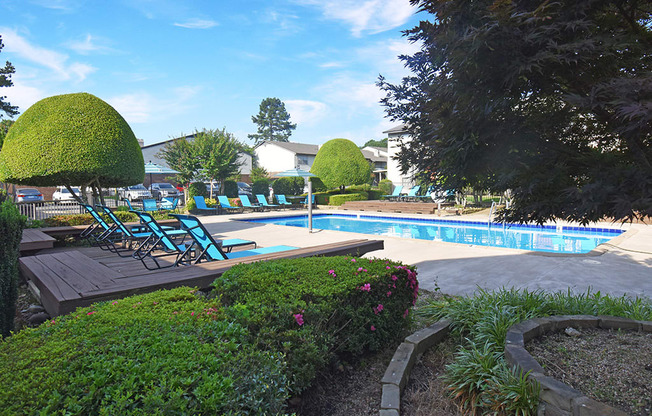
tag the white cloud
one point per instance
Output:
(21, 94)
(197, 24)
(385, 56)
(89, 45)
(144, 107)
(55, 61)
(306, 112)
(373, 16)
(331, 65)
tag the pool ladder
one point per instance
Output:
(491, 213)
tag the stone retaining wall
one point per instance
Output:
(398, 371)
(557, 398)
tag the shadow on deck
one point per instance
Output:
(65, 279)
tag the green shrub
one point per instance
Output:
(288, 186)
(197, 189)
(322, 198)
(339, 162)
(191, 205)
(71, 139)
(386, 187)
(231, 189)
(168, 352)
(11, 232)
(87, 219)
(210, 202)
(480, 376)
(311, 308)
(338, 200)
(260, 187)
(318, 185)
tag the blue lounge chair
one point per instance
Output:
(224, 203)
(162, 241)
(412, 193)
(128, 204)
(305, 201)
(127, 236)
(263, 201)
(98, 230)
(212, 250)
(396, 194)
(169, 203)
(189, 223)
(149, 205)
(282, 201)
(247, 204)
(200, 203)
(427, 195)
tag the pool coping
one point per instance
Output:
(598, 251)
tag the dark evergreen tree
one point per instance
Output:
(5, 81)
(273, 122)
(551, 100)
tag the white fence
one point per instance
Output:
(46, 209)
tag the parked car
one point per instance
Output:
(28, 195)
(136, 193)
(164, 190)
(244, 189)
(63, 194)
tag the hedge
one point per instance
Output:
(71, 139)
(314, 308)
(288, 186)
(338, 200)
(168, 352)
(260, 187)
(339, 162)
(11, 232)
(231, 189)
(87, 219)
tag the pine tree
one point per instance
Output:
(5, 81)
(273, 122)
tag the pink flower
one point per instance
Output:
(365, 288)
(360, 269)
(90, 313)
(394, 277)
(53, 321)
(299, 318)
(373, 328)
(353, 261)
(388, 268)
(192, 314)
(379, 308)
(405, 314)
(389, 293)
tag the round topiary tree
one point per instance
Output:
(339, 163)
(71, 139)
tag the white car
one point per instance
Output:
(62, 194)
(136, 193)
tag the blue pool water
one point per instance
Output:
(557, 239)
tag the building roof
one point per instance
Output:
(298, 148)
(397, 129)
(369, 155)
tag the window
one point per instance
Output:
(302, 160)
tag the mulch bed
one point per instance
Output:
(610, 366)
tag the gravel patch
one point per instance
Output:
(611, 366)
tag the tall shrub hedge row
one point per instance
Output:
(168, 352)
(260, 187)
(11, 232)
(288, 186)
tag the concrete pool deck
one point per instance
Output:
(622, 266)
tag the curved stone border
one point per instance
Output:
(398, 370)
(556, 397)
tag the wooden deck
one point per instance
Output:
(67, 279)
(34, 239)
(395, 206)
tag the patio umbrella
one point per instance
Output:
(151, 168)
(296, 172)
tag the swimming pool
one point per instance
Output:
(556, 239)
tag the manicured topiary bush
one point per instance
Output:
(339, 162)
(288, 186)
(338, 200)
(318, 185)
(260, 187)
(312, 308)
(168, 352)
(11, 232)
(71, 139)
(231, 189)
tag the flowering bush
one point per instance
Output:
(314, 308)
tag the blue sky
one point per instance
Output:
(170, 67)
